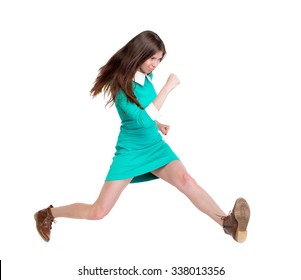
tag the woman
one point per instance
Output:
(141, 153)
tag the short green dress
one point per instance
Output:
(140, 148)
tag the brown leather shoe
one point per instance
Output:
(235, 224)
(44, 221)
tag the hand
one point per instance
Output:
(163, 128)
(172, 82)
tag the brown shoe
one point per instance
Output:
(44, 221)
(235, 224)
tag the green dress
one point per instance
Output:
(140, 147)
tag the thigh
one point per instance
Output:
(111, 191)
(174, 173)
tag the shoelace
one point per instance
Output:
(224, 217)
(48, 221)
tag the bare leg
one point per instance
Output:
(176, 174)
(107, 198)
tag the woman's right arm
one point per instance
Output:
(132, 111)
(170, 84)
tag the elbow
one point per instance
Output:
(145, 121)
(146, 124)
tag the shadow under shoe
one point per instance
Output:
(235, 224)
(44, 221)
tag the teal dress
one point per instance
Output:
(140, 148)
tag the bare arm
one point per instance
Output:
(170, 84)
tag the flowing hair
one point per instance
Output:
(119, 71)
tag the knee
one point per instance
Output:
(186, 182)
(98, 212)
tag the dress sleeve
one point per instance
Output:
(134, 112)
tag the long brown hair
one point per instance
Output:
(119, 71)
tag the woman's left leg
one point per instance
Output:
(234, 224)
(175, 173)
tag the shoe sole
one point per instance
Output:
(241, 213)
(40, 233)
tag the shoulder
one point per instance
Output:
(120, 96)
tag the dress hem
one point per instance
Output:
(144, 175)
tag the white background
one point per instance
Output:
(235, 123)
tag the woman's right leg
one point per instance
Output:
(107, 198)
